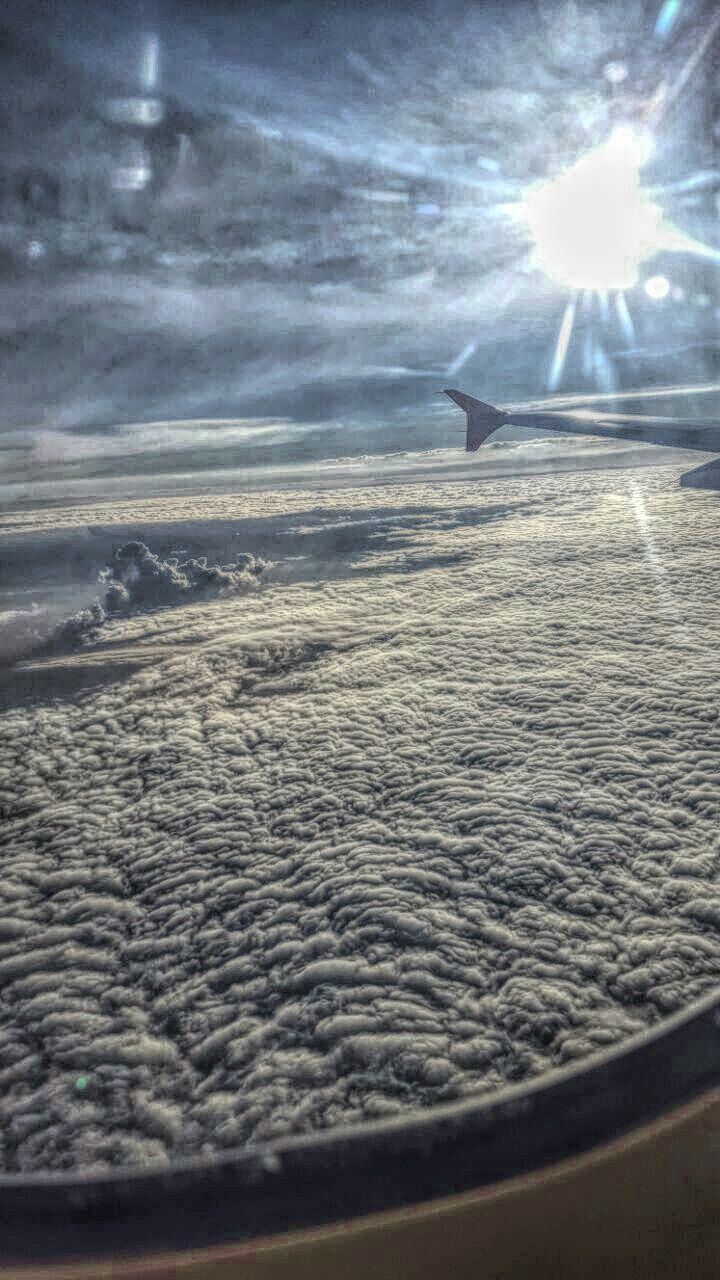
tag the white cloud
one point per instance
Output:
(444, 818)
(499, 457)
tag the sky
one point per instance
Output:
(341, 772)
(329, 223)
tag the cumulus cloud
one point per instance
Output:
(137, 578)
(371, 841)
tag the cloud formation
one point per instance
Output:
(369, 841)
(137, 578)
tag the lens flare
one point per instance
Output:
(657, 287)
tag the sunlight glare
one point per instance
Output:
(657, 287)
(593, 225)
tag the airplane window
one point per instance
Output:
(359, 574)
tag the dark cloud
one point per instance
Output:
(137, 578)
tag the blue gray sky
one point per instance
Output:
(319, 225)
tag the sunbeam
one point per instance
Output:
(623, 311)
(561, 346)
(466, 353)
(668, 601)
(667, 95)
(676, 241)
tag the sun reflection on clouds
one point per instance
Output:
(667, 597)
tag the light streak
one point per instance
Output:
(676, 241)
(668, 599)
(464, 356)
(588, 355)
(667, 17)
(561, 346)
(624, 317)
(667, 95)
(150, 61)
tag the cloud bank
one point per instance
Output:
(370, 841)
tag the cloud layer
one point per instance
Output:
(443, 819)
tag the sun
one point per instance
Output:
(593, 226)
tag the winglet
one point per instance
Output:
(482, 419)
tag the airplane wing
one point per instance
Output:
(678, 433)
(482, 419)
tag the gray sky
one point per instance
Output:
(330, 224)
